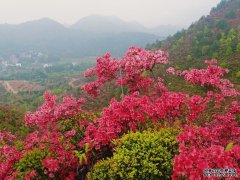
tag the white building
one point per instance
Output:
(47, 65)
(18, 64)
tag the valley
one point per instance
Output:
(24, 85)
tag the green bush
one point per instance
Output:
(238, 74)
(31, 160)
(147, 155)
(101, 170)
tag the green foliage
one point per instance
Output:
(205, 50)
(146, 155)
(56, 91)
(101, 171)
(189, 57)
(229, 146)
(238, 74)
(32, 160)
(230, 15)
(215, 55)
(82, 154)
(238, 47)
(11, 119)
(229, 51)
(222, 24)
(19, 145)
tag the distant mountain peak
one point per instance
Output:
(107, 24)
(43, 22)
(101, 34)
(94, 23)
(96, 17)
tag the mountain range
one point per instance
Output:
(110, 24)
(90, 36)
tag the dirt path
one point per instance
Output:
(71, 82)
(8, 87)
(75, 82)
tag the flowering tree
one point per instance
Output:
(67, 140)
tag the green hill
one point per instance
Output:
(216, 35)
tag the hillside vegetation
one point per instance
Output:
(216, 35)
(145, 131)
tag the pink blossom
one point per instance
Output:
(70, 133)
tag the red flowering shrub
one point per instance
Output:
(128, 71)
(57, 128)
(200, 148)
(76, 139)
(212, 76)
(9, 155)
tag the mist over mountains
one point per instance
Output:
(90, 36)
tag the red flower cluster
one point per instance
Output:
(128, 70)
(51, 165)
(130, 113)
(9, 155)
(207, 147)
(50, 112)
(105, 71)
(212, 76)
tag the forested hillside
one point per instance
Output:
(216, 35)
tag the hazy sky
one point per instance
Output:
(148, 12)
